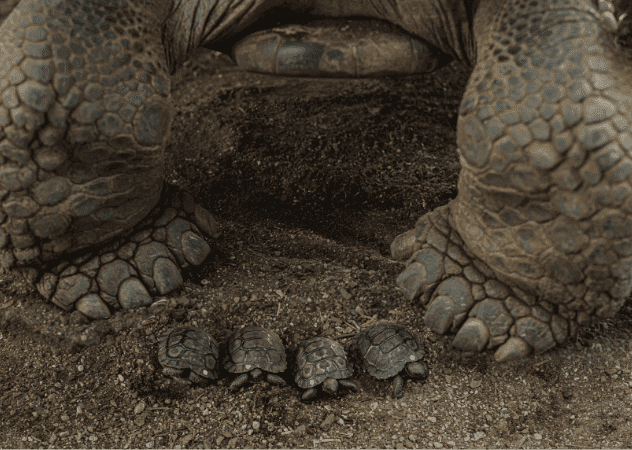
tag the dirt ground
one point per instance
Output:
(310, 180)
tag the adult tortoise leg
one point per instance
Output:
(85, 110)
(538, 241)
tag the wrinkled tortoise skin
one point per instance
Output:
(322, 360)
(254, 351)
(189, 351)
(537, 244)
(386, 349)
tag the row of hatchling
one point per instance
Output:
(192, 355)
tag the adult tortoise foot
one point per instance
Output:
(85, 111)
(130, 271)
(538, 241)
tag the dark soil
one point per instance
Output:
(311, 180)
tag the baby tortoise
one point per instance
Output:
(321, 361)
(253, 351)
(386, 349)
(189, 355)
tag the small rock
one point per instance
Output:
(476, 383)
(232, 443)
(409, 444)
(300, 429)
(612, 370)
(219, 440)
(65, 418)
(186, 439)
(432, 419)
(479, 435)
(448, 379)
(329, 420)
(140, 420)
(255, 425)
(139, 408)
(537, 436)
(438, 445)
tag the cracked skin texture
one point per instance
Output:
(537, 244)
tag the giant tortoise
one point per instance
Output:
(537, 243)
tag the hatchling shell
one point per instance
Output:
(255, 348)
(386, 348)
(320, 358)
(183, 348)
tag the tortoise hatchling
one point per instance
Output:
(189, 355)
(386, 349)
(322, 361)
(253, 351)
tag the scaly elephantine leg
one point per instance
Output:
(84, 117)
(539, 240)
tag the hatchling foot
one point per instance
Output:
(175, 376)
(256, 376)
(129, 272)
(238, 382)
(398, 386)
(275, 379)
(460, 294)
(309, 394)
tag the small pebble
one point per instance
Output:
(537, 436)
(139, 408)
(329, 420)
(255, 425)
